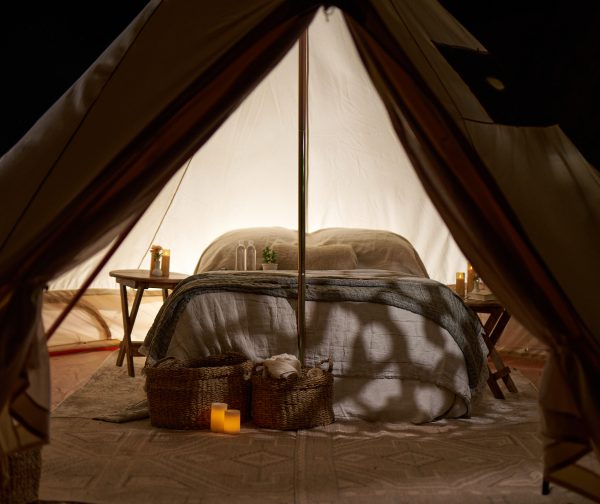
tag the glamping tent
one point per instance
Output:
(500, 178)
(245, 176)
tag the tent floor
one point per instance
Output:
(70, 371)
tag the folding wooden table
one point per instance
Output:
(140, 280)
(494, 326)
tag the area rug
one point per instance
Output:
(492, 458)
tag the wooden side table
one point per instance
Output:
(494, 325)
(140, 280)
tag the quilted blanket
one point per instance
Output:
(426, 298)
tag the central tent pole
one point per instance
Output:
(302, 170)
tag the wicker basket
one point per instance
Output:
(180, 393)
(25, 469)
(299, 402)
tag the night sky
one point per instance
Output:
(549, 53)
(44, 47)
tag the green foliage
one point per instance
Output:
(269, 255)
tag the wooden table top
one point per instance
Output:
(482, 303)
(143, 277)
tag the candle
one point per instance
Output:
(166, 261)
(470, 278)
(217, 416)
(460, 284)
(232, 421)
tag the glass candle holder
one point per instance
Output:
(165, 262)
(470, 278)
(460, 284)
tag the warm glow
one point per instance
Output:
(470, 278)
(232, 422)
(460, 284)
(370, 184)
(217, 416)
(166, 262)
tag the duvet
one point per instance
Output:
(404, 348)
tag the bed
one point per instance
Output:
(404, 346)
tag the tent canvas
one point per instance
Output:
(133, 123)
(245, 175)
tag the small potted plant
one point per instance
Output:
(269, 259)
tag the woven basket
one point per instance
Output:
(298, 402)
(25, 470)
(180, 393)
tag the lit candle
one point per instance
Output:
(460, 284)
(232, 422)
(470, 278)
(166, 261)
(217, 416)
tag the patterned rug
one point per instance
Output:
(492, 458)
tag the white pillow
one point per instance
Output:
(375, 249)
(351, 249)
(220, 254)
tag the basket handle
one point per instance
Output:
(330, 366)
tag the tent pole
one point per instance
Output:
(302, 169)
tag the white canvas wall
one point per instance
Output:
(246, 175)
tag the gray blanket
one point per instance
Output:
(425, 297)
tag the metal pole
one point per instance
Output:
(302, 171)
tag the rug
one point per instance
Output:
(492, 458)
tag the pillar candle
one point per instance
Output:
(460, 284)
(217, 416)
(470, 278)
(232, 421)
(166, 261)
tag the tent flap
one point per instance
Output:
(159, 94)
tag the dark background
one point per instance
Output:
(44, 47)
(548, 54)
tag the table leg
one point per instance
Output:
(493, 384)
(165, 293)
(545, 487)
(126, 331)
(503, 371)
(128, 321)
(494, 326)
